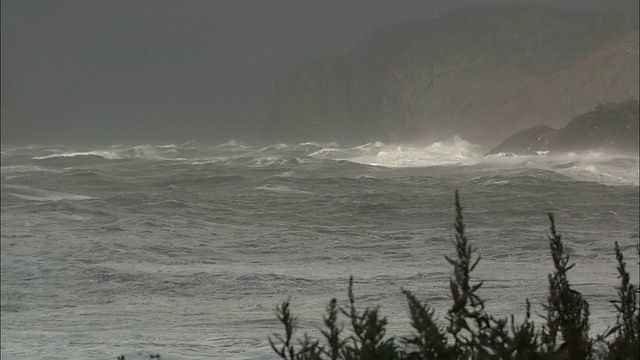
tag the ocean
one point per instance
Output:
(184, 250)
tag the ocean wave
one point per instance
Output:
(232, 145)
(592, 167)
(169, 204)
(454, 151)
(117, 152)
(11, 169)
(283, 190)
(275, 161)
(313, 146)
(285, 175)
(604, 173)
(168, 146)
(589, 166)
(365, 177)
(31, 194)
(523, 176)
(334, 152)
(490, 180)
(276, 147)
(108, 155)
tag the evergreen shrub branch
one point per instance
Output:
(471, 332)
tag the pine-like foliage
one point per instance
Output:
(567, 311)
(469, 331)
(626, 331)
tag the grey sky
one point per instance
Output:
(167, 71)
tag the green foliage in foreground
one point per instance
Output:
(469, 331)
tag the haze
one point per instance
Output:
(78, 71)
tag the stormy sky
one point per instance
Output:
(111, 71)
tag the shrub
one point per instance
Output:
(471, 332)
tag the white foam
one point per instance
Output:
(285, 175)
(311, 143)
(372, 146)
(587, 166)
(109, 155)
(147, 152)
(283, 189)
(168, 146)
(453, 151)
(276, 147)
(274, 160)
(325, 153)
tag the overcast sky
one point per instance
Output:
(113, 71)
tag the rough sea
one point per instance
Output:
(184, 250)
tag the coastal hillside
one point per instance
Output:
(480, 73)
(611, 127)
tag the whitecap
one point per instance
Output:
(495, 182)
(276, 147)
(325, 153)
(274, 161)
(500, 155)
(449, 152)
(310, 147)
(146, 152)
(283, 189)
(311, 143)
(108, 155)
(168, 146)
(285, 175)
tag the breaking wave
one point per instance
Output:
(595, 167)
(93, 231)
(283, 190)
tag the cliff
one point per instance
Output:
(481, 73)
(612, 127)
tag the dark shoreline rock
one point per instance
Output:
(610, 127)
(525, 142)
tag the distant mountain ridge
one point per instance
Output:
(481, 73)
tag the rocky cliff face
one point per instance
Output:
(481, 73)
(611, 127)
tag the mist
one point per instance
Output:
(76, 71)
(172, 172)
